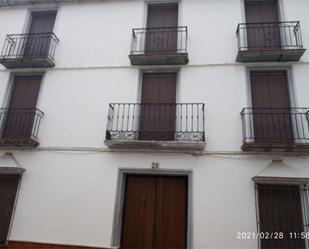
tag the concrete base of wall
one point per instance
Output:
(28, 245)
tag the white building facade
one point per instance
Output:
(154, 124)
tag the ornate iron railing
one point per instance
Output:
(275, 125)
(159, 40)
(170, 122)
(269, 35)
(29, 46)
(20, 124)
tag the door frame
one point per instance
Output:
(28, 20)
(281, 14)
(9, 90)
(167, 70)
(157, 71)
(120, 196)
(290, 83)
(159, 2)
(304, 197)
(10, 85)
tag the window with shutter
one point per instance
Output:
(280, 212)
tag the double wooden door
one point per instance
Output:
(271, 107)
(20, 115)
(38, 42)
(280, 212)
(158, 108)
(155, 212)
(161, 34)
(263, 30)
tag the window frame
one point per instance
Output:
(303, 184)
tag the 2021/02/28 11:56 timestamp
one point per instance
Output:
(272, 235)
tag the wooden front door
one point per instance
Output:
(8, 190)
(280, 212)
(21, 111)
(259, 34)
(42, 24)
(270, 103)
(158, 109)
(161, 34)
(155, 212)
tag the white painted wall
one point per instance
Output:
(11, 22)
(93, 35)
(68, 197)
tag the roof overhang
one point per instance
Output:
(14, 3)
(9, 165)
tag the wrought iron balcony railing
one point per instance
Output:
(269, 41)
(29, 50)
(275, 126)
(156, 122)
(20, 126)
(168, 42)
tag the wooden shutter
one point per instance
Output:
(41, 22)
(270, 95)
(158, 107)
(8, 190)
(164, 40)
(21, 111)
(280, 211)
(263, 36)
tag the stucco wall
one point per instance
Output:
(68, 197)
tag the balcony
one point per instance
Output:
(269, 42)
(275, 129)
(19, 127)
(29, 50)
(156, 126)
(159, 46)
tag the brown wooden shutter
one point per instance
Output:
(162, 16)
(25, 92)
(41, 22)
(270, 97)
(280, 211)
(262, 36)
(21, 111)
(158, 107)
(8, 190)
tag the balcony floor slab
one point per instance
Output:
(19, 143)
(159, 59)
(12, 63)
(281, 55)
(156, 145)
(273, 147)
